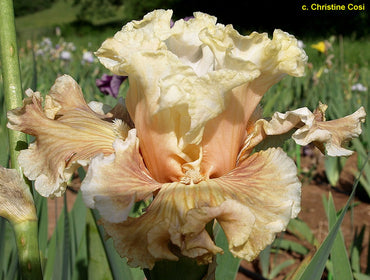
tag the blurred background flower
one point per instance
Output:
(110, 84)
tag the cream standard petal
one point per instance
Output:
(176, 91)
(306, 127)
(252, 203)
(113, 183)
(67, 132)
(136, 36)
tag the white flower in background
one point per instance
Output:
(87, 57)
(58, 31)
(359, 87)
(301, 44)
(65, 55)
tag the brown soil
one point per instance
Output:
(312, 212)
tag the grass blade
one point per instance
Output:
(356, 249)
(289, 245)
(316, 267)
(301, 230)
(227, 264)
(264, 258)
(360, 276)
(118, 266)
(341, 266)
(98, 267)
(277, 269)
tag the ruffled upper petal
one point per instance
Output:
(195, 73)
(252, 203)
(68, 133)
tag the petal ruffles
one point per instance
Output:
(328, 136)
(252, 203)
(68, 133)
(113, 183)
(184, 77)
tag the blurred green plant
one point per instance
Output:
(24, 7)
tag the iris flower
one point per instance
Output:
(190, 139)
(110, 84)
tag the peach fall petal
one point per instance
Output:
(252, 203)
(68, 133)
(113, 183)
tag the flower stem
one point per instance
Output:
(28, 249)
(26, 232)
(11, 75)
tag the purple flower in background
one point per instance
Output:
(109, 85)
(185, 19)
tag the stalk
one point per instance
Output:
(26, 232)
(11, 75)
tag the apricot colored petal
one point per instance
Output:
(68, 133)
(308, 127)
(252, 203)
(260, 197)
(113, 183)
(273, 59)
(16, 202)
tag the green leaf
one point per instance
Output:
(298, 272)
(79, 240)
(98, 267)
(368, 257)
(8, 251)
(289, 245)
(277, 269)
(341, 266)
(264, 258)
(183, 269)
(332, 169)
(361, 276)
(118, 266)
(356, 249)
(67, 259)
(315, 268)
(227, 264)
(301, 230)
(41, 204)
(55, 251)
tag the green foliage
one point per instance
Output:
(227, 264)
(340, 262)
(135, 9)
(99, 11)
(25, 7)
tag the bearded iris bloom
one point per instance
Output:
(190, 138)
(109, 85)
